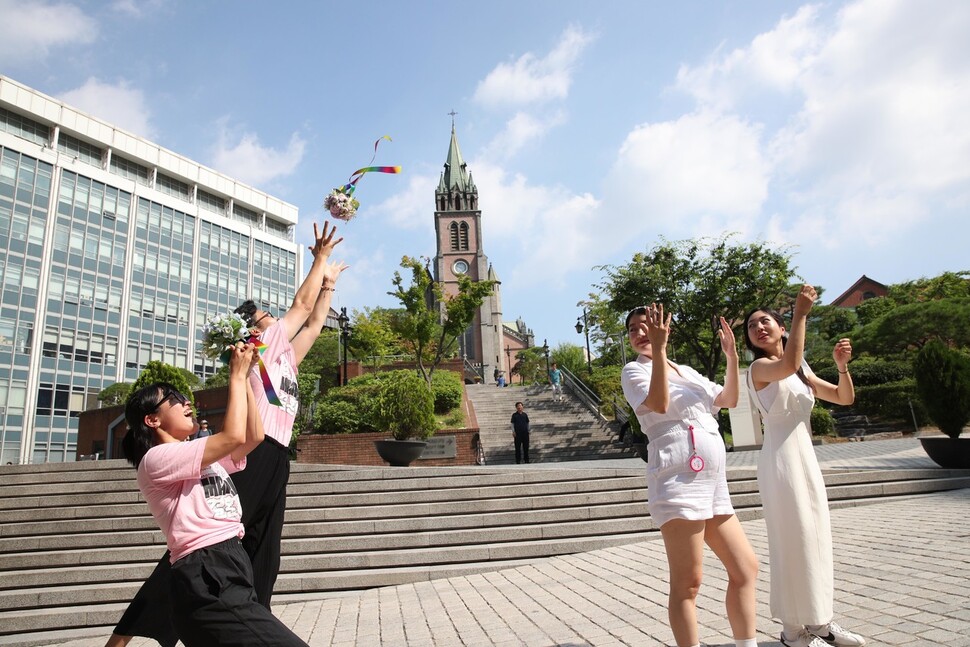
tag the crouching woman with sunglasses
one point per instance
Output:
(190, 494)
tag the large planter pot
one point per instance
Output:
(952, 453)
(400, 453)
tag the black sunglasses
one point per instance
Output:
(268, 314)
(169, 394)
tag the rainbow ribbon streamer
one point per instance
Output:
(359, 173)
(264, 374)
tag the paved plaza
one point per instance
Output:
(902, 578)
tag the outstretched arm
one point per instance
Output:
(309, 333)
(767, 370)
(658, 327)
(233, 435)
(306, 295)
(729, 396)
(844, 392)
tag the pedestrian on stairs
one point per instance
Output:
(686, 479)
(555, 379)
(520, 433)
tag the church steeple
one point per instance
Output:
(456, 189)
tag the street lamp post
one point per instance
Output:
(582, 324)
(508, 362)
(545, 349)
(345, 329)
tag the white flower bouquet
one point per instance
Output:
(341, 205)
(220, 332)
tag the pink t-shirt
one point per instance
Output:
(280, 361)
(194, 506)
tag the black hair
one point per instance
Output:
(518, 403)
(140, 437)
(639, 310)
(248, 312)
(759, 353)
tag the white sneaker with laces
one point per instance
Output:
(833, 634)
(803, 639)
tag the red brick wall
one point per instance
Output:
(358, 449)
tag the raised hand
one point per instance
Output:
(805, 300)
(332, 272)
(242, 359)
(842, 353)
(324, 243)
(728, 343)
(658, 326)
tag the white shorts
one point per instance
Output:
(674, 491)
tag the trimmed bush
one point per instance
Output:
(867, 371)
(890, 401)
(822, 422)
(446, 389)
(943, 384)
(407, 407)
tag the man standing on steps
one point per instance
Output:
(520, 433)
(555, 379)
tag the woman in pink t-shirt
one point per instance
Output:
(189, 492)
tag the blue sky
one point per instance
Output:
(591, 129)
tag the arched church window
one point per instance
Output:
(453, 231)
(463, 236)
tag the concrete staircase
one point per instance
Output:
(560, 431)
(76, 540)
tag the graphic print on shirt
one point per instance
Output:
(286, 386)
(220, 493)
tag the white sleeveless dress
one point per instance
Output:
(796, 507)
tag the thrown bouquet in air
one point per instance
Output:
(221, 332)
(341, 202)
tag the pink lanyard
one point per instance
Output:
(695, 462)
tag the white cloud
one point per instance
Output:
(531, 79)
(519, 131)
(30, 30)
(409, 209)
(704, 165)
(244, 157)
(136, 8)
(773, 61)
(119, 104)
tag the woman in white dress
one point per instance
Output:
(687, 487)
(792, 490)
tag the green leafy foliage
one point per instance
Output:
(373, 335)
(697, 280)
(909, 327)
(943, 384)
(407, 407)
(446, 389)
(822, 422)
(570, 357)
(115, 394)
(219, 378)
(432, 321)
(156, 371)
(891, 400)
(531, 365)
(323, 358)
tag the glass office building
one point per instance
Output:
(113, 251)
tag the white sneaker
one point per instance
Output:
(803, 639)
(833, 634)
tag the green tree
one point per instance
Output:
(156, 371)
(308, 385)
(571, 357)
(871, 309)
(219, 378)
(432, 321)
(698, 280)
(909, 327)
(115, 394)
(373, 336)
(948, 285)
(531, 365)
(323, 358)
(407, 407)
(943, 384)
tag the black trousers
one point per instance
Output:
(521, 446)
(213, 601)
(262, 493)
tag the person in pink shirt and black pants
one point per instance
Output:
(190, 494)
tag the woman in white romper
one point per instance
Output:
(792, 490)
(687, 488)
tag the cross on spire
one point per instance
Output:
(452, 113)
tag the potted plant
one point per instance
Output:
(943, 384)
(407, 412)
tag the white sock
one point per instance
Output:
(745, 642)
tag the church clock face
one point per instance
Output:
(460, 267)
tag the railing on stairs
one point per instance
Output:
(583, 393)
